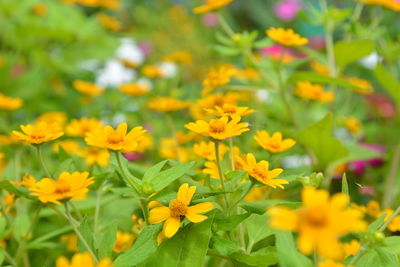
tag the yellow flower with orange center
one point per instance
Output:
(230, 110)
(273, 143)
(170, 149)
(69, 146)
(152, 71)
(28, 181)
(109, 22)
(219, 129)
(71, 242)
(247, 74)
(178, 210)
(198, 110)
(94, 155)
(56, 118)
(8, 201)
(179, 57)
(134, 89)
(10, 103)
(115, 140)
(260, 171)
(124, 241)
(207, 150)
(286, 37)
(165, 104)
(80, 127)
(373, 208)
(217, 77)
(309, 91)
(364, 87)
(87, 88)
(211, 168)
(319, 222)
(352, 124)
(82, 260)
(38, 133)
(68, 186)
(211, 5)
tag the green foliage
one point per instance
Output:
(389, 83)
(347, 52)
(288, 256)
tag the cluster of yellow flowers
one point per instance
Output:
(309, 91)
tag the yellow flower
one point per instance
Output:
(170, 149)
(364, 87)
(230, 110)
(352, 124)
(373, 208)
(68, 186)
(40, 9)
(94, 155)
(80, 127)
(319, 68)
(178, 210)
(330, 263)
(109, 22)
(260, 172)
(309, 91)
(165, 104)
(207, 150)
(9, 139)
(286, 37)
(38, 133)
(134, 89)
(320, 222)
(124, 241)
(145, 143)
(8, 201)
(256, 194)
(56, 118)
(116, 140)
(217, 77)
(87, 88)
(69, 146)
(71, 242)
(211, 5)
(10, 103)
(391, 4)
(198, 110)
(211, 168)
(394, 225)
(248, 74)
(82, 260)
(152, 71)
(179, 57)
(28, 181)
(351, 248)
(219, 129)
(274, 143)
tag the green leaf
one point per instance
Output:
(144, 247)
(318, 78)
(376, 224)
(386, 257)
(345, 185)
(257, 228)
(370, 258)
(164, 178)
(391, 85)
(347, 52)
(153, 171)
(262, 258)
(288, 256)
(318, 137)
(223, 246)
(18, 191)
(187, 248)
(392, 244)
(229, 223)
(106, 241)
(21, 225)
(87, 234)
(260, 207)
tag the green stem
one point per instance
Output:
(232, 155)
(225, 26)
(9, 258)
(40, 156)
(125, 175)
(173, 135)
(390, 180)
(243, 195)
(221, 176)
(391, 218)
(78, 233)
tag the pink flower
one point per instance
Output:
(366, 190)
(145, 47)
(382, 105)
(210, 19)
(360, 166)
(133, 156)
(286, 10)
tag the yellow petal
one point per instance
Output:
(195, 218)
(159, 214)
(201, 207)
(171, 226)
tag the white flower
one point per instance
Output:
(371, 61)
(113, 74)
(168, 69)
(128, 50)
(295, 161)
(263, 96)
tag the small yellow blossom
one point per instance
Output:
(115, 140)
(134, 89)
(319, 222)
(55, 118)
(248, 74)
(217, 77)
(94, 155)
(352, 124)
(68, 186)
(165, 104)
(80, 127)
(38, 133)
(331, 263)
(109, 22)
(28, 181)
(124, 241)
(256, 194)
(351, 248)
(179, 57)
(152, 71)
(211, 168)
(207, 150)
(390, 4)
(230, 110)
(260, 171)
(178, 210)
(286, 37)
(71, 242)
(8, 201)
(364, 87)
(319, 68)
(69, 146)
(10, 103)
(87, 88)
(198, 110)
(273, 143)
(309, 91)
(170, 149)
(219, 129)
(40, 9)
(211, 5)
(82, 260)
(373, 208)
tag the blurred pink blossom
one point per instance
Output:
(286, 10)
(145, 47)
(366, 190)
(133, 156)
(382, 105)
(360, 166)
(210, 19)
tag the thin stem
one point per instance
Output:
(232, 154)
(77, 212)
(389, 187)
(225, 26)
(40, 156)
(315, 258)
(243, 195)
(171, 125)
(391, 218)
(97, 210)
(124, 174)
(357, 257)
(78, 233)
(221, 176)
(9, 258)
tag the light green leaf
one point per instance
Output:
(299, 76)
(347, 52)
(164, 178)
(262, 258)
(345, 185)
(153, 171)
(288, 255)
(87, 234)
(318, 137)
(257, 228)
(391, 85)
(106, 240)
(229, 223)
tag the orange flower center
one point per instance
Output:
(62, 187)
(229, 109)
(114, 139)
(37, 136)
(315, 217)
(178, 208)
(259, 172)
(217, 126)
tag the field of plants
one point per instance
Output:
(190, 133)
